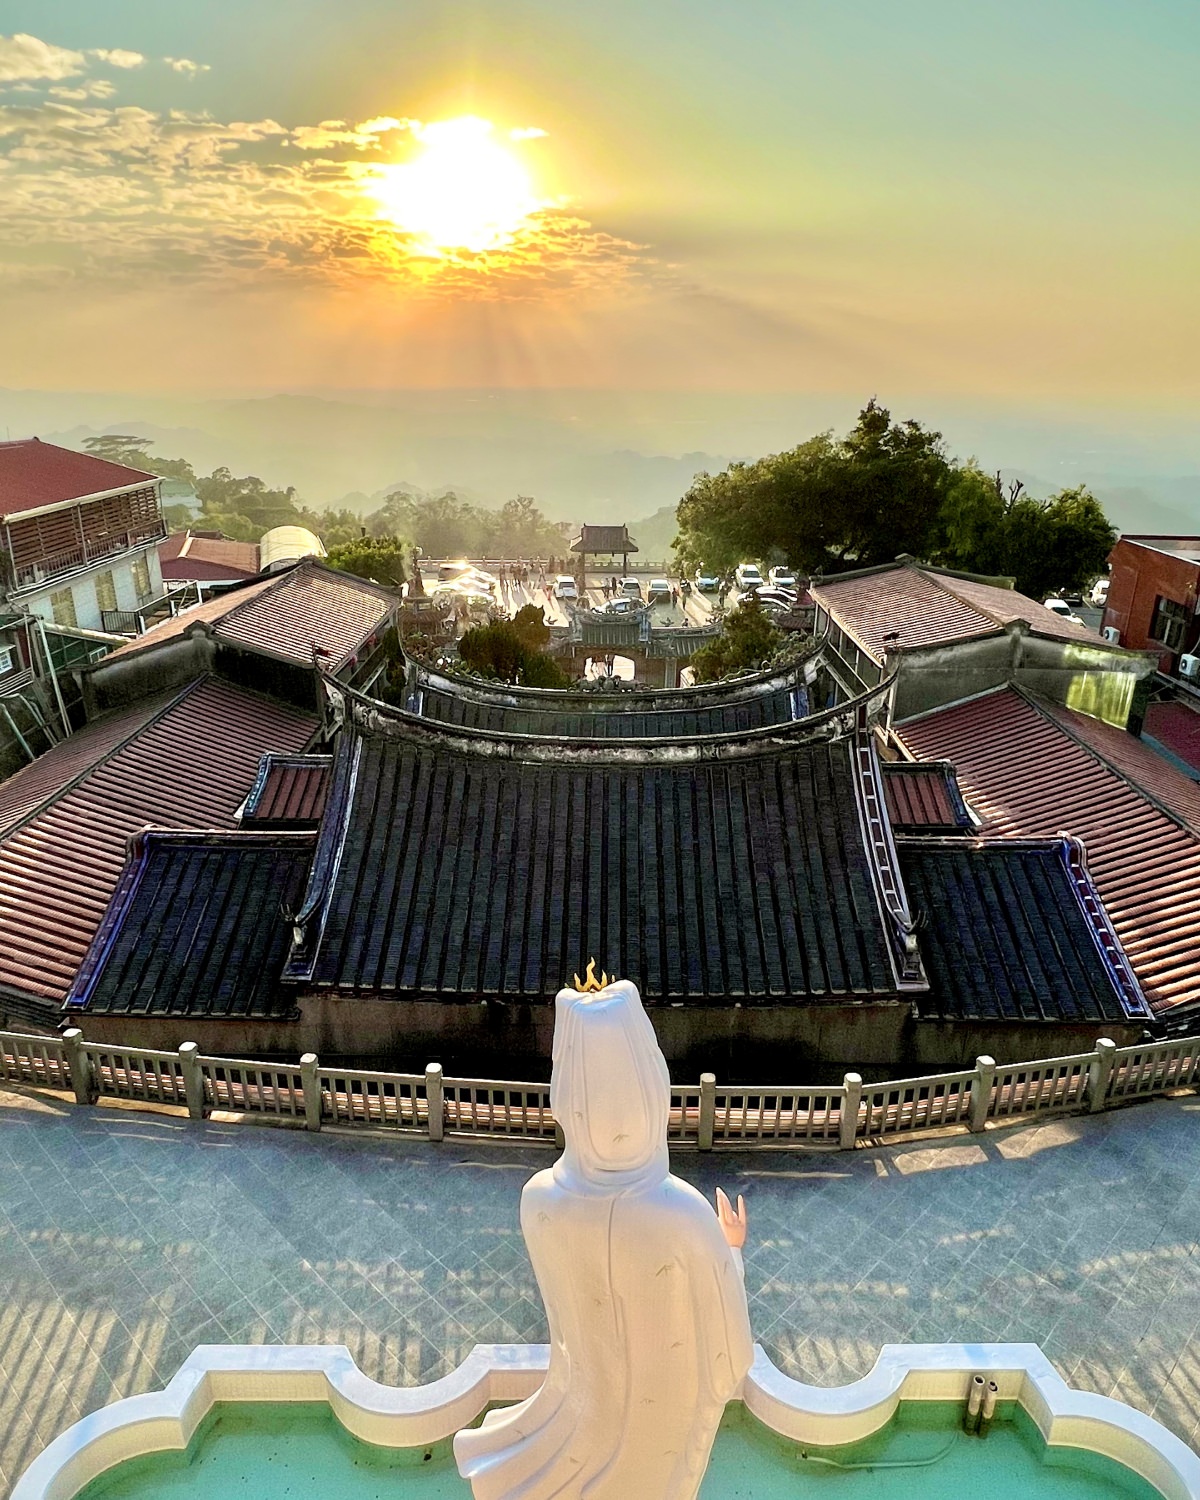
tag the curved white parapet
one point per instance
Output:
(415, 1416)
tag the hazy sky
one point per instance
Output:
(995, 199)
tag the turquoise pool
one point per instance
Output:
(283, 1451)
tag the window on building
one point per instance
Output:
(141, 578)
(1168, 623)
(106, 591)
(8, 659)
(62, 607)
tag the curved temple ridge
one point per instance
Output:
(399, 1417)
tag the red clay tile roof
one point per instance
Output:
(187, 558)
(923, 797)
(286, 614)
(33, 474)
(1176, 726)
(1131, 757)
(1027, 774)
(185, 762)
(925, 607)
(27, 788)
(289, 789)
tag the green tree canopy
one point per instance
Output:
(828, 504)
(502, 650)
(749, 639)
(886, 489)
(380, 559)
(447, 526)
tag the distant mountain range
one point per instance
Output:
(598, 456)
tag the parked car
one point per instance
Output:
(659, 591)
(564, 588)
(621, 607)
(782, 578)
(631, 588)
(785, 598)
(1062, 609)
(749, 576)
(706, 582)
(1099, 594)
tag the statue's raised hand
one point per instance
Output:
(733, 1224)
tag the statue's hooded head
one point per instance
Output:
(609, 1089)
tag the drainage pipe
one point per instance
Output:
(62, 707)
(989, 1407)
(12, 724)
(974, 1404)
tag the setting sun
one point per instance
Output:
(463, 191)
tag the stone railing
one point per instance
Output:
(706, 1115)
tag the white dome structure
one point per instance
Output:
(284, 545)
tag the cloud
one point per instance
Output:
(118, 57)
(90, 88)
(102, 195)
(25, 57)
(186, 66)
(330, 133)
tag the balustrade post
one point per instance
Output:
(435, 1099)
(1100, 1073)
(193, 1079)
(708, 1110)
(981, 1091)
(851, 1099)
(80, 1067)
(311, 1083)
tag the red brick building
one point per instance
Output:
(1154, 596)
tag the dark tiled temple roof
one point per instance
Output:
(1013, 930)
(289, 792)
(196, 927)
(669, 715)
(923, 797)
(454, 864)
(604, 539)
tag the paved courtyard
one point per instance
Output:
(127, 1238)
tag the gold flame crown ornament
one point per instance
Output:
(591, 985)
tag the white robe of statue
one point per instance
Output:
(642, 1283)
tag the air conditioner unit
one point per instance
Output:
(1112, 635)
(1189, 667)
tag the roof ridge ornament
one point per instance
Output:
(591, 985)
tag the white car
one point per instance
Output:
(659, 590)
(1062, 609)
(631, 588)
(1099, 594)
(782, 578)
(564, 587)
(749, 576)
(707, 583)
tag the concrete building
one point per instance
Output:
(78, 536)
(1154, 598)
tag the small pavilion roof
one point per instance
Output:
(604, 539)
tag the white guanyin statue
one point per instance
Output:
(642, 1282)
